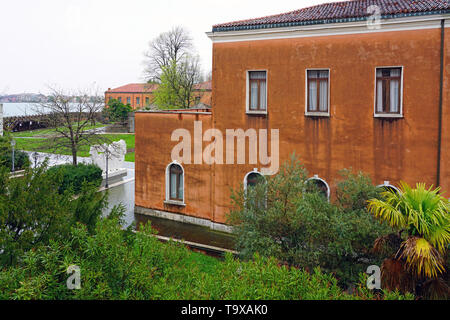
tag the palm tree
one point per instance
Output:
(417, 253)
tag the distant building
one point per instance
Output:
(140, 95)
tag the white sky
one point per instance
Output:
(75, 44)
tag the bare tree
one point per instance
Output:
(70, 115)
(189, 74)
(169, 47)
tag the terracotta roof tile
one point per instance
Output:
(329, 12)
(203, 86)
(145, 87)
(135, 88)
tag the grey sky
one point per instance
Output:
(75, 44)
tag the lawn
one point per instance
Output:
(47, 131)
(42, 145)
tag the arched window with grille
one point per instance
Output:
(316, 183)
(387, 186)
(252, 179)
(175, 183)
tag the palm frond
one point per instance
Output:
(421, 257)
(387, 210)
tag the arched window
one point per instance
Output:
(252, 179)
(175, 182)
(387, 186)
(316, 183)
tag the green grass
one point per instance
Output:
(48, 131)
(42, 145)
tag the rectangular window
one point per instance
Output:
(138, 101)
(128, 100)
(120, 99)
(317, 92)
(257, 91)
(388, 91)
(147, 100)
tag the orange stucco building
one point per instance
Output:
(342, 90)
(140, 95)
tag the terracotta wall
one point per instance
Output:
(386, 149)
(394, 149)
(153, 155)
(445, 158)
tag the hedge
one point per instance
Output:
(74, 176)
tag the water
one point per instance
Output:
(123, 194)
(19, 109)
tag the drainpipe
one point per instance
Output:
(441, 82)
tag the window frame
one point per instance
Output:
(317, 113)
(316, 177)
(247, 97)
(387, 184)
(169, 200)
(254, 171)
(388, 115)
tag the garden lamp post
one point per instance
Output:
(13, 144)
(106, 178)
(35, 157)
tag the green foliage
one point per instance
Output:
(21, 159)
(121, 264)
(416, 255)
(74, 176)
(117, 111)
(168, 94)
(177, 84)
(33, 212)
(284, 218)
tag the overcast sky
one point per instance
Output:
(75, 44)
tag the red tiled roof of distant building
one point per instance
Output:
(149, 88)
(135, 88)
(340, 12)
(203, 86)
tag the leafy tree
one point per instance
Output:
(285, 219)
(417, 252)
(117, 111)
(177, 83)
(33, 212)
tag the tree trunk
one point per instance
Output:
(74, 155)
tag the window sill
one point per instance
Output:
(261, 113)
(175, 203)
(395, 116)
(317, 114)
